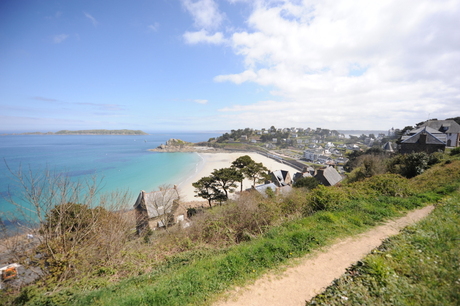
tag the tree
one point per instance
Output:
(77, 228)
(256, 172)
(225, 179)
(241, 163)
(207, 189)
(306, 182)
(410, 165)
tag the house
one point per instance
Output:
(423, 141)
(450, 128)
(328, 176)
(262, 189)
(310, 155)
(388, 147)
(441, 136)
(281, 178)
(323, 159)
(299, 175)
(156, 209)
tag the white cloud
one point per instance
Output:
(407, 54)
(57, 39)
(205, 13)
(154, 27)
(90, 17)
(200, 101)
(203, 36)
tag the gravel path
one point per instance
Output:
(316, 271)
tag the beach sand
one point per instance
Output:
(213, 161)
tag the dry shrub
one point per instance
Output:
(239, 220)
(77, 229)
(295, 202)
(367, 166)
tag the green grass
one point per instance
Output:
(197, 278)
(420, 266)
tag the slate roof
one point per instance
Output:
(329, 174)
(263, 188)
(430, 138)
(153, 202)
(443, 126)
(388, 147)
(282, 177)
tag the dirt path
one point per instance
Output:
(315, 272)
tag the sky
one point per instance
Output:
(178, 65)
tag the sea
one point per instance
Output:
(120, 163)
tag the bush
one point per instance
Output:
(392, 185)
(325, 198)
(306, 182)
(410, 165)
(455, 151)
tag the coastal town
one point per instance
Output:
(319, 154)
(250, 181)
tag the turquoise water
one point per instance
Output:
(122, 162)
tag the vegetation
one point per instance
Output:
(221, 182)
(226, 246)
(417, 267)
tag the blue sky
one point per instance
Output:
(226, 64)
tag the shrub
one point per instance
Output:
(409, 165)
(306, 182)
(455, 151)
(325, 198)
(390, 185)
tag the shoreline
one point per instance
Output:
(217, 160)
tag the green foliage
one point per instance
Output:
(246, 239)
(389, 184)
(455, 151)
(207, 188)
(225, 179)
(326, 198)
(367, 166)
(242, 162)
(411, 165)
(417, 267)
(306, 182)
(270, 193)
(371, 162)
(70, 217)
(235, 134)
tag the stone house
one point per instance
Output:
(449, 128)
(156, 209)
(328, 176)
(423, 141)
(281, 178)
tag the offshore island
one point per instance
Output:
(86, 132)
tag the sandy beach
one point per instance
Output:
(213, 161)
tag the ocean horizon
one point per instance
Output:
(122, 163)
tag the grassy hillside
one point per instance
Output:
(238, 242)
(418, 267)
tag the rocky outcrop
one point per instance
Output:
(177, 145)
